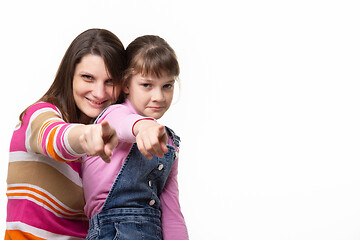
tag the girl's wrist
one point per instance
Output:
(141, 123)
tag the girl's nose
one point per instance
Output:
(157, 95)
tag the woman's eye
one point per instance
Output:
(87, 77)
(109, 82)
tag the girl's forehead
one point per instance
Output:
(151, 77)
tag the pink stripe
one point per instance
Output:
(61, 143)
(30, 213)
(18, 139)
(76, 166)
(36, 107)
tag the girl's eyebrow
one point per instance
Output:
(146, 79)
(151, 80)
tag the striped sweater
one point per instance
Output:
(45, 194)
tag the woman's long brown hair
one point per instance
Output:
(99, 42)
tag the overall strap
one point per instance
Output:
(175, 138)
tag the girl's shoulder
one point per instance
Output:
(115, 110)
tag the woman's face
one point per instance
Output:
(93, 88)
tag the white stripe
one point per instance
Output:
(66, 141)
(56, 149)
(18, 125)
(33, 116)
(62, 167)
(48, 123)
(38, 232)
(42, 197)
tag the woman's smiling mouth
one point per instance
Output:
(96, 104)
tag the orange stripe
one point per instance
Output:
(19, 235)
(50, 146)
(42, 194)
(42, 130)
(44, 203)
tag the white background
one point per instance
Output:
(268, 111)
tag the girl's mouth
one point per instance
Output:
(156, 108)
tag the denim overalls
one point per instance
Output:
(132, 208)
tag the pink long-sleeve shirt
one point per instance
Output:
(99, 176)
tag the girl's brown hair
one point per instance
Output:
(99, 42)
(149, 55)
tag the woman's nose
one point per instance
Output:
(99, 91)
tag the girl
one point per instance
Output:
(45, 194)
(136, 196)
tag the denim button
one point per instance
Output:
(152, 202)
(150, 183)
(160, 167)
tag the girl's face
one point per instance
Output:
(150, 96)
(93, 88)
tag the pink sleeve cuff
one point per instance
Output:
(145, 118)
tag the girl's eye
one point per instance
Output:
(168, 86)
(146, 85)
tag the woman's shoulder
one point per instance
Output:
(42, 105)
(41, 108)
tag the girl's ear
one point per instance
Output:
(126, 89)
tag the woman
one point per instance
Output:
(45, 195)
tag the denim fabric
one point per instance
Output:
(132, 208)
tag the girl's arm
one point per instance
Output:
(149, 135)
(172, 220)
(151, 138)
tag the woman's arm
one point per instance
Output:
(47, 133)
(94, 139)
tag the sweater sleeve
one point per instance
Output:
(173, 222)
(46, 132)
(123, 119)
